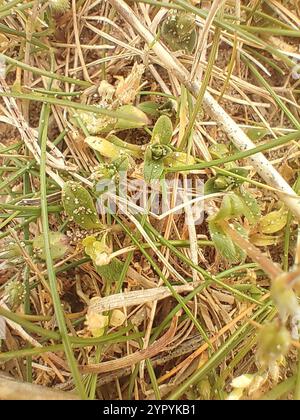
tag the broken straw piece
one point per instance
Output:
(136, 297)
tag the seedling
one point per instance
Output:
(236, 203)
(158, 149)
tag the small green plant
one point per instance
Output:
(157, 155)
(237, 202)
(179, 31)
(158, 148)
(159, 152)
(234, 204)
(99, 251)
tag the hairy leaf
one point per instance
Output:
(274, 221)
(162, 131)
(251, 208)
(79, 205)
(58, 245)
(224, 244)
(153, 169)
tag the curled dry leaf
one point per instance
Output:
(128, 88)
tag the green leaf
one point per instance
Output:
(58, 245)
(218, 150)
(15, 291)
(274, 221)
(256, 134)
(133, 111)
(79, 205)
(178, 159)
(153, 169)
(104, 147)
(251, 207)
(211, 186)
(150, 108)
(133, 149)
(179, 31)
(162, 131)
(112, 271)
(224, 244)
(238, 171)
(237, 204)
(231, 206)
(259, 239)
(97, 124)
(112, 147)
